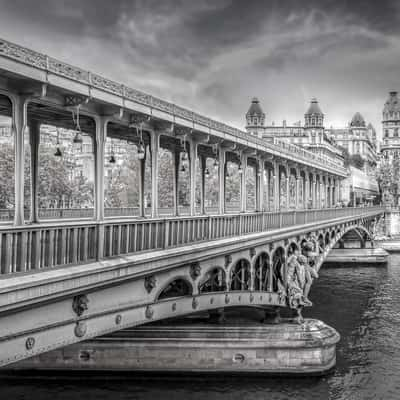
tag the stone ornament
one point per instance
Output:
(80, 304)
(150, 283)
(80, 329)
(174, 307)
(227, 299)
(149, 312)
(118, 319)
(195, 270)
(228, 260)
(252, 252)
(30, 343)
(195, 303)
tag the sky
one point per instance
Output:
(213, 56)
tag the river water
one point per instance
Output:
(362, 303)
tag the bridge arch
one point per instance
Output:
(278, 268)
(262, 272)
(176, 287)
(214, 280)
(240, 275)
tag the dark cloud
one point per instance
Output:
(214, 55)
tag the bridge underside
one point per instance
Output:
(57, 307)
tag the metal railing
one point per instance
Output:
(61, 243)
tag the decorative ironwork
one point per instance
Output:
(149, 312)
(80, 304)
(30, 343)
(195, 303)
(150, 283)
(214, 281)
(195, 270)
(228, 260)
(227, 299)
(80, 329)
(68, 71)
(74, 100)
(107, 84)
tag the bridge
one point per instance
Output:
(96, 271)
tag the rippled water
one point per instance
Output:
(362, 303)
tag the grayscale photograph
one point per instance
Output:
(199, 199)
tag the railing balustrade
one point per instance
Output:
(38, 246)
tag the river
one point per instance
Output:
(362, 303)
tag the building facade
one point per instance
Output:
(311, 135)
(357, 138)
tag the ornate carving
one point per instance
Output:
(107, 84)
(252, 252)
(74, 100)
(212, 300)
(80, 304)
(227, 299)
(162, 105)
(271, 247)
(22, 54)
(228, 260)
(137, 96)
(30, 343)
(251, 298)
(80, 329)
(150, 283)
(195, 270)
(118, 319)
(149, 312)
(195, 303)
(173, 306)
(67, 70)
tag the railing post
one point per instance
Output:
(166, 233)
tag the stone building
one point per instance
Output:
(390, 147)
(312, 135)
(357, 138)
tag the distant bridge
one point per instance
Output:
(66, 280)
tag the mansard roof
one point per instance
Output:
(255, 108)
(357, 120)
(392, 103)
(314, 108)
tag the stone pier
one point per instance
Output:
(307, 348)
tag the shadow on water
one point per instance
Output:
(362, 303)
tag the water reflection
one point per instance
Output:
(363, 304)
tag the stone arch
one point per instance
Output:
(278, 269)
(214, 281)
(176, 287)
(262, 272)
(240, 276)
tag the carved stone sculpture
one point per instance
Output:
(80, 304)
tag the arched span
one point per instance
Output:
(327, 248)
(214, 281)
(263, 273)
(176, 287)
(240, 276)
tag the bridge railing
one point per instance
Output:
(34, 247)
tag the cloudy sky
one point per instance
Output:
(215, 55)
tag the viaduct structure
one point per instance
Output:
(65, 281)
